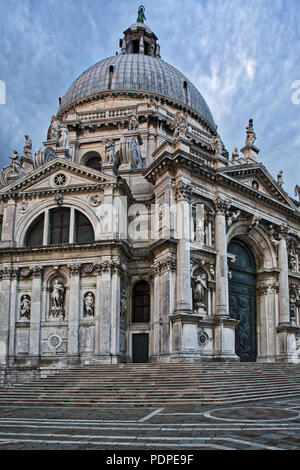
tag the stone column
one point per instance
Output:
(74, 313)
(286, 331)
(167, 275)
(283, 265)
(266, 333)
(151, 145)
(222, 299)
(116, 269)
(184, 303)
(35, 317)
(98, 303)
(224, 326)
(6, 273)
(156, 311)
(105, 311)
(13, 312)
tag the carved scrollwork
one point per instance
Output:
(202, 338)
(183, 191)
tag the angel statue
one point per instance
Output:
(141, 15)
(297, 191)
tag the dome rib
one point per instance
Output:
(137, 72)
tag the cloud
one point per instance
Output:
(242, 56)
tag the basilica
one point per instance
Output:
(132, 235)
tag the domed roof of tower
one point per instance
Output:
(138, 68)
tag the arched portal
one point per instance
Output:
(242, 300)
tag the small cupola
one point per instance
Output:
(139, 39)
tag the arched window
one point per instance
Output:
(59, 225)
(35, 233)
(84, 231)
(63, 225)
(141, 302)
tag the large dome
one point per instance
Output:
(137, 72)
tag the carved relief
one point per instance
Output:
(95, 200)
(202, 338)
(294, 292)
(123, 302)
(179, 124)
(54, 342)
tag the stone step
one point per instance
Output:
(157, 385)
(172, 387)
(143, 393)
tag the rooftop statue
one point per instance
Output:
(27, 147)
(141, 16)
(251, 137)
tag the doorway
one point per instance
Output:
(140, 348)
(242, 301)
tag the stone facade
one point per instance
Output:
(149, 172)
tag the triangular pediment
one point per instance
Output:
(59, 174)
(260, 181)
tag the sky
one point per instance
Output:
(244, 57)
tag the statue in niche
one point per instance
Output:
(199, 293)
(25, 306)
(109, 151)
(54, 129)
(133, 123)
(57, 299)
(89, 305)
(28, 147)
(199, 289)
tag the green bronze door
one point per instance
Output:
(242, 301)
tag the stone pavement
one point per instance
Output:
(269, 425)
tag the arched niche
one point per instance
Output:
(92, 159)
(257, 241)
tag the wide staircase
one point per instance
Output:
(158, 385)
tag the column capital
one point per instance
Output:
(6, 272)
(37, 271)
(183, 191)
(221, 206)
(262, 289)
(283, 233)
(116, 266)
(75, 269)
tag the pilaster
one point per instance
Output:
(74, 313)
(35, 317)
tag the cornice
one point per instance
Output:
(69, 247)
(141, 94)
